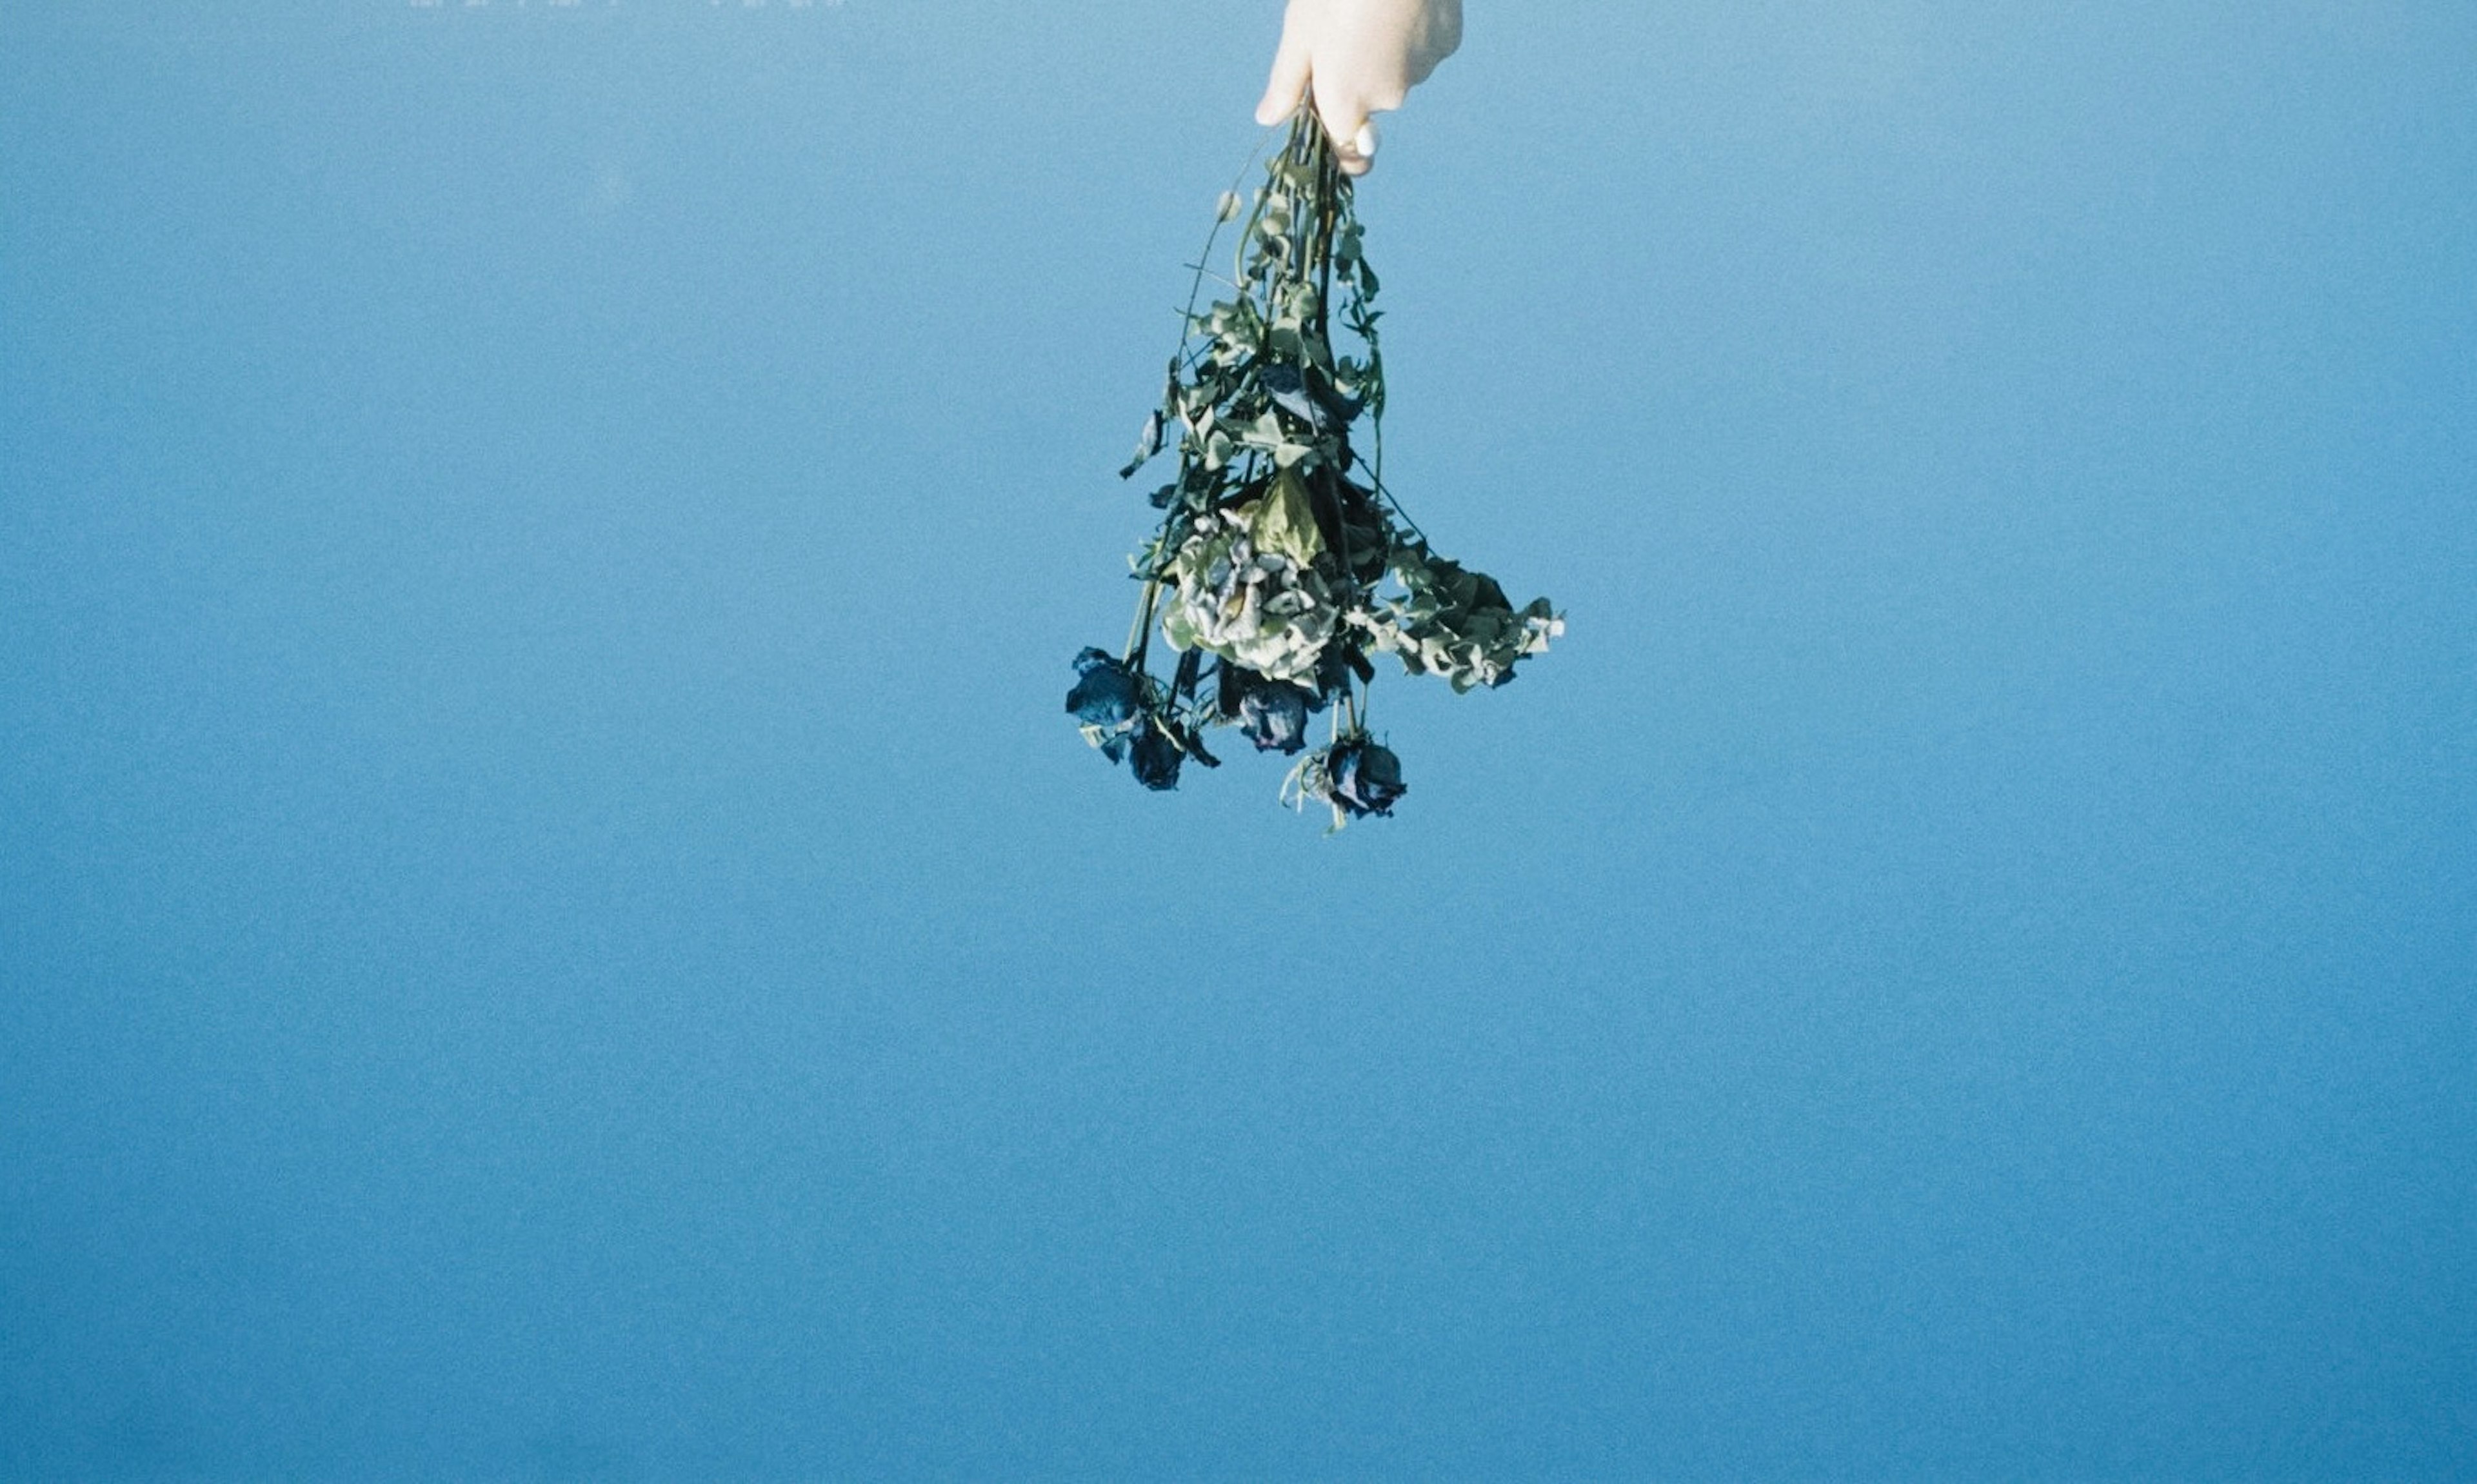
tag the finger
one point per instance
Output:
(1289, 79)
(1346, 123)
(1358, 156)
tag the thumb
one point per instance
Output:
(1342, 117)
(1289, 79)
(1346, 122)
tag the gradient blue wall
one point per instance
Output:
(551, 924)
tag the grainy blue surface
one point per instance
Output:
(551, 924)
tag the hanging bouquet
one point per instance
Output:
(1282, 558)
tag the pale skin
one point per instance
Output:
(1362, 58)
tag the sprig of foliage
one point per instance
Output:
(1280, 555)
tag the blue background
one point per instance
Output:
(552, 926)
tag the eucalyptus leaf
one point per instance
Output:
(1147, 444)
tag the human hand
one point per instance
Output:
(1361, 57)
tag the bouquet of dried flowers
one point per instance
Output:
(1282, 559)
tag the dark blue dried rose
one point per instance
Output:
(1231, 684)
(1366, 777)
(1155, 755)
(1106, 693)
(1273, 714)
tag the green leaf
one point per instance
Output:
(1285, 522)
